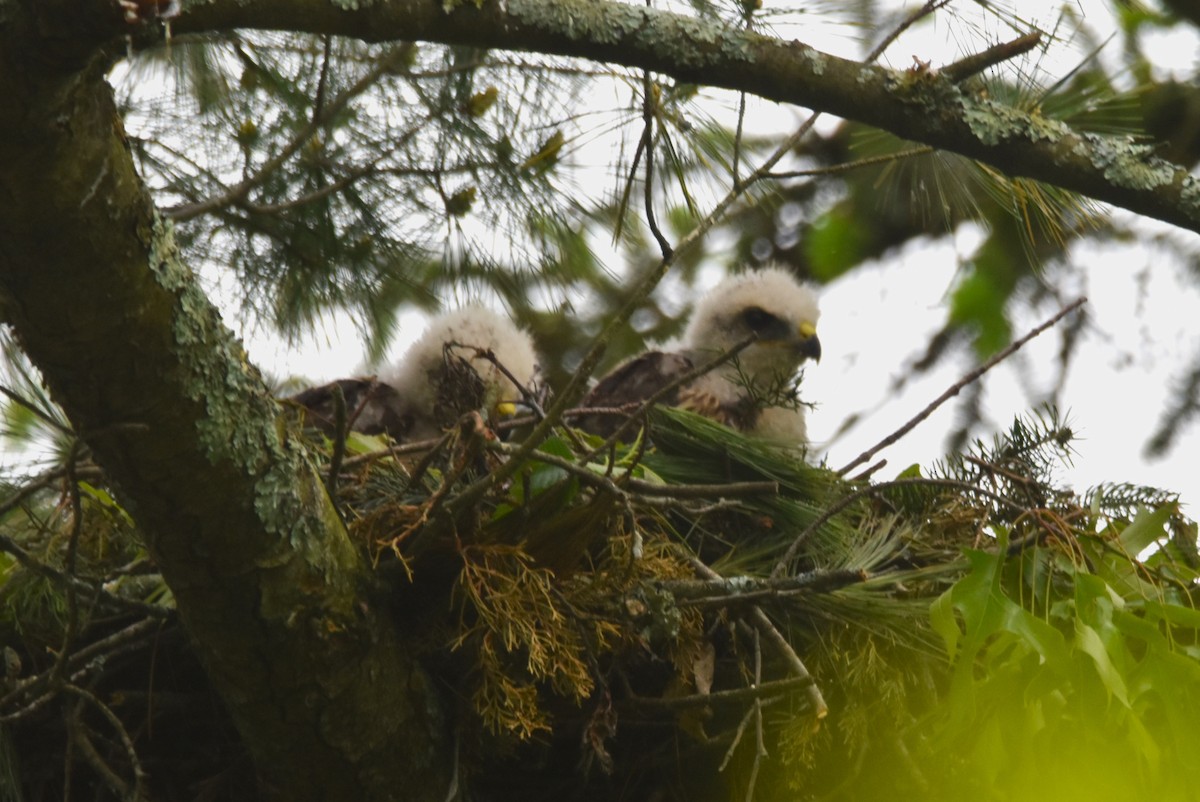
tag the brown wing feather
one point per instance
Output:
(372, 407)
(629, 384)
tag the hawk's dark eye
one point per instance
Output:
(758, 319)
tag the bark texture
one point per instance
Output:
(266, 581)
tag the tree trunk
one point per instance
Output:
(266, 581)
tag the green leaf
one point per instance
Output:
(1147, 528)
(945, 624)
(359, 443)
(1175, 614)
(1089, 642)
(105, 499)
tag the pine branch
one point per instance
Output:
(922, 107)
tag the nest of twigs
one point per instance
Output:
(624, 613)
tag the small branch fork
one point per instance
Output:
(768, 629)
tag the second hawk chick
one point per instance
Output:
(445, 374)
(441, 377)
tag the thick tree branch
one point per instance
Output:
(919, 105)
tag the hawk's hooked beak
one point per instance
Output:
(807, 344)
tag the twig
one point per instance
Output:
(868, 472)
(726, 591)
(958, 386)
(974, 64)
(86, 659)
(527, 395)
(737, 736)
(72, 624)
(760, 746)
(139, 774)
(31, 563)
(318, 112)
(750, 713)
(38, 412)
(648, 187)
(761, 691)
(626, 484)
(835, 169)
(83, 741)
(748, 18)
(815, 699)
(28, 489)
(434, 447)
(772, 633)
(909, 21)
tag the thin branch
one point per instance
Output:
(627, 485)
(815, 699)
(974, 64)
(912, 19)
(835, 169)
(38, 412)
(764, 624)
(755, 708)
(87, 660)
(762, 691)
(648, 94)
(318, 112)
(139, 774)
(72, 597)
(738, 732)
(869, 471)
(83, 741)
(739, 589)
(958, 386)
(32, 563)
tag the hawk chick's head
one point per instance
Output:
(445, 373)
(768, 304)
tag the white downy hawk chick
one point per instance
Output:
(446, 374)
(750, 392)
(441, 377)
